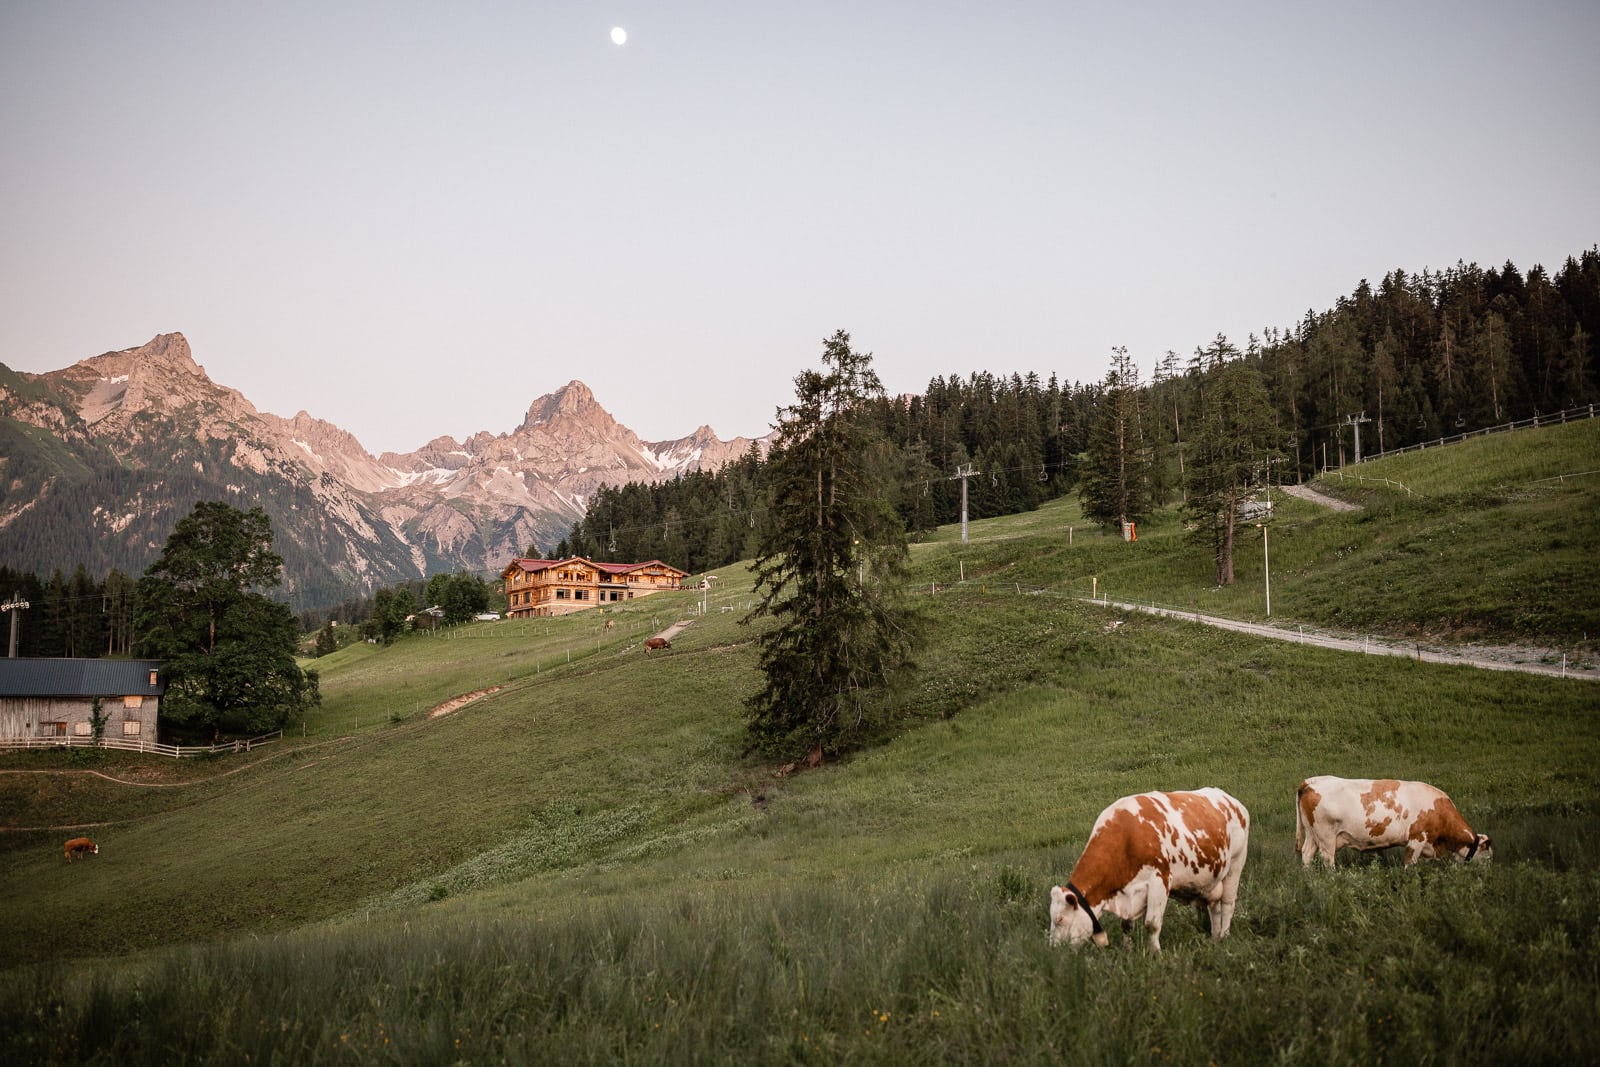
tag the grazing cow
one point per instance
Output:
(656, 642)
(79, 846)
(610, 623)
(1368, 814)
(1145, 849)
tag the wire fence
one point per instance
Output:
(1574, 663)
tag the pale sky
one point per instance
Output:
(414, 219)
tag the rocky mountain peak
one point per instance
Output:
(573, 401)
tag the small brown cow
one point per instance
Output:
(609, 623)
(79, 846)
(1367, 814)
(656, 642)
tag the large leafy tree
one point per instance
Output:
(1233, 444)
(828, 568)
(461, 595)
(229, 649)
(390, 610)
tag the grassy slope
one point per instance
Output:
(579, 800)
(1489, 545)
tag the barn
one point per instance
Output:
(55, 700)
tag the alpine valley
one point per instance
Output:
(99, 460)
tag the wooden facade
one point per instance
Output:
(543, 587)
(55, 698)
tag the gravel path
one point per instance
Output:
(1487, 657)
(1305, 492)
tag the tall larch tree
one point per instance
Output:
(1114, 479)
(1233, 444)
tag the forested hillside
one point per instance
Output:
(1418, 357)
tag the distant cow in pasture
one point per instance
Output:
(656, 642)
(79, 846)
(1367, 814)
(1147, 849)
(609, 624)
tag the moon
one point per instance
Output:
(618, 35)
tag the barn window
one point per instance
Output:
(152, 679)
(53, 729)
(134, 701)
(82, 729)
(130, 727)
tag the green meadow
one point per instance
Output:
(582, 865)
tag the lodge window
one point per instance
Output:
(130, 727)
(561, 594)
(581, 594)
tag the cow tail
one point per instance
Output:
(1299, 818)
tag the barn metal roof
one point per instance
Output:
(80, 677)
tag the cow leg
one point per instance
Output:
(1308, 848)
(1221, 915)
(1221, 910)
(1327, 849)
(1155, 909)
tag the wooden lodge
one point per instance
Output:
(542, 587)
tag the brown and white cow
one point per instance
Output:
(1367, 814)
(656, 642)
(1147, 849)
(79, 846)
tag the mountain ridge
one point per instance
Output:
(118, 444)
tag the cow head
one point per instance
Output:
(1071, 918)
(1480, 851)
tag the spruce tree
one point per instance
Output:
(828, 568)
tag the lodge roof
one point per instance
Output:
(37, 677)
(533, 566)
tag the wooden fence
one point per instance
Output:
(1554, 419)
(140, 744)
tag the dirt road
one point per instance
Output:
(1488, 657)
(1305, 492)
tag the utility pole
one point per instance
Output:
(1266, 566)
(1356, 421)
(964, 473)
(15, 606)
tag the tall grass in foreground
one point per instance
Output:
(1368, 963)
